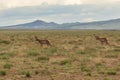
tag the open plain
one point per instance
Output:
(74, 55)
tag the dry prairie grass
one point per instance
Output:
(74, 55)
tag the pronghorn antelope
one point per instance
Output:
(42, 41)
(102, 40)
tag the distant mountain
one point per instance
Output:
(108, 24)
(39, 24)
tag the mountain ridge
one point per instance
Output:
(40, 24)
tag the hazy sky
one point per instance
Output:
(60, 11)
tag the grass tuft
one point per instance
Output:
(2, 72)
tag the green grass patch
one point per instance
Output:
(111, 72)
(81, 52)
(42, 58)
(4, 42)
(85, 68)
(7, 55)
(7, 66)
(65, 62)
(28, 74)
(2, 72)
(32, 53)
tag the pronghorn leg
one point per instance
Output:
(48, 44)
(107, 42)
(41, 44)
(102, 42)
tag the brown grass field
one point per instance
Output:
(74, 55)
